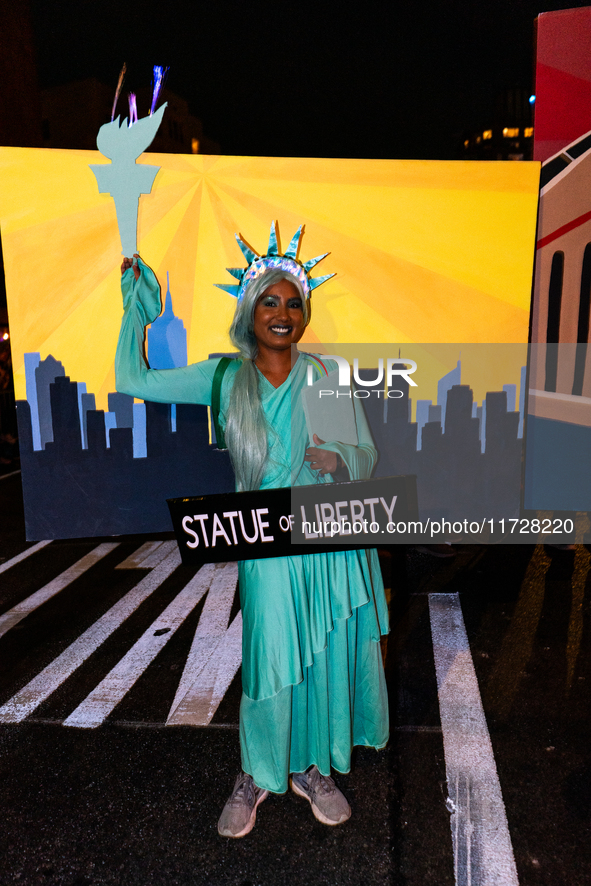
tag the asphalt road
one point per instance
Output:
(486, 779)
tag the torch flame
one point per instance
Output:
(118, 90)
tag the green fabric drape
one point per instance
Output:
(312, 675)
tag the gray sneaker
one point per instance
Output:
(240, 812)
(328, 803)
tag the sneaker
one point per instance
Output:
(240, 812)
(328, 803)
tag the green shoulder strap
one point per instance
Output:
(216, 396)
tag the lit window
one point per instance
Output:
(528, 132)
(467, 142)
(487, 134)
(195, 145)
(511, 131)
(478, 139)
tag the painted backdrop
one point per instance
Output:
(423, 252)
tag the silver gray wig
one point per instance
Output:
(246, 428)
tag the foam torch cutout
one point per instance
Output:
(123, 179)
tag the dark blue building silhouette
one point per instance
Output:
(82, 483)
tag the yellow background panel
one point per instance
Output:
(423, 251)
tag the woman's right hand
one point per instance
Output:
(129, 263)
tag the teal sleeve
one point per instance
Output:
(360, 460)
(141, 306)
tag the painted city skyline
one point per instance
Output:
(167, 349)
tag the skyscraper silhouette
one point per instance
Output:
(122, 488)
(88, 403)
(45, 374)
(167, 338)
(454, 377)
(65, 415)
(31, 363)
(122, 406)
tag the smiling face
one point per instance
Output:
(279, 317)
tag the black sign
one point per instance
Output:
(297, 520)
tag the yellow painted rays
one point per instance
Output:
(423, 251)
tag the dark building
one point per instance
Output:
(122, 406)
(505, 134)
(105, 489)
(65, 417)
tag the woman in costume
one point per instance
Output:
(312, 675)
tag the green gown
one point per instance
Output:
(312, 675)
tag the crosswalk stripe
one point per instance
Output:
(158, 555)
(41, 687)
(148, 555)
(213, 624)
(25, 607)
(97, 706)
(482, 848)
(205, 695)
(22, 556)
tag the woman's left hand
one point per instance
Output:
(322, 460)
(129, 263)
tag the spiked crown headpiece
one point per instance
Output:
(258, 264)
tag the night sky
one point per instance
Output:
(369, 79)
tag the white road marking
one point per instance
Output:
(148, 555)
(40, 687)
(159, 554)
(213, 624)
(135, 560)
(97, 706)
(483, 854)
(25, 607)
(23, 556)
(205, 696)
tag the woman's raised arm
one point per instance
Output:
(141, 306)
